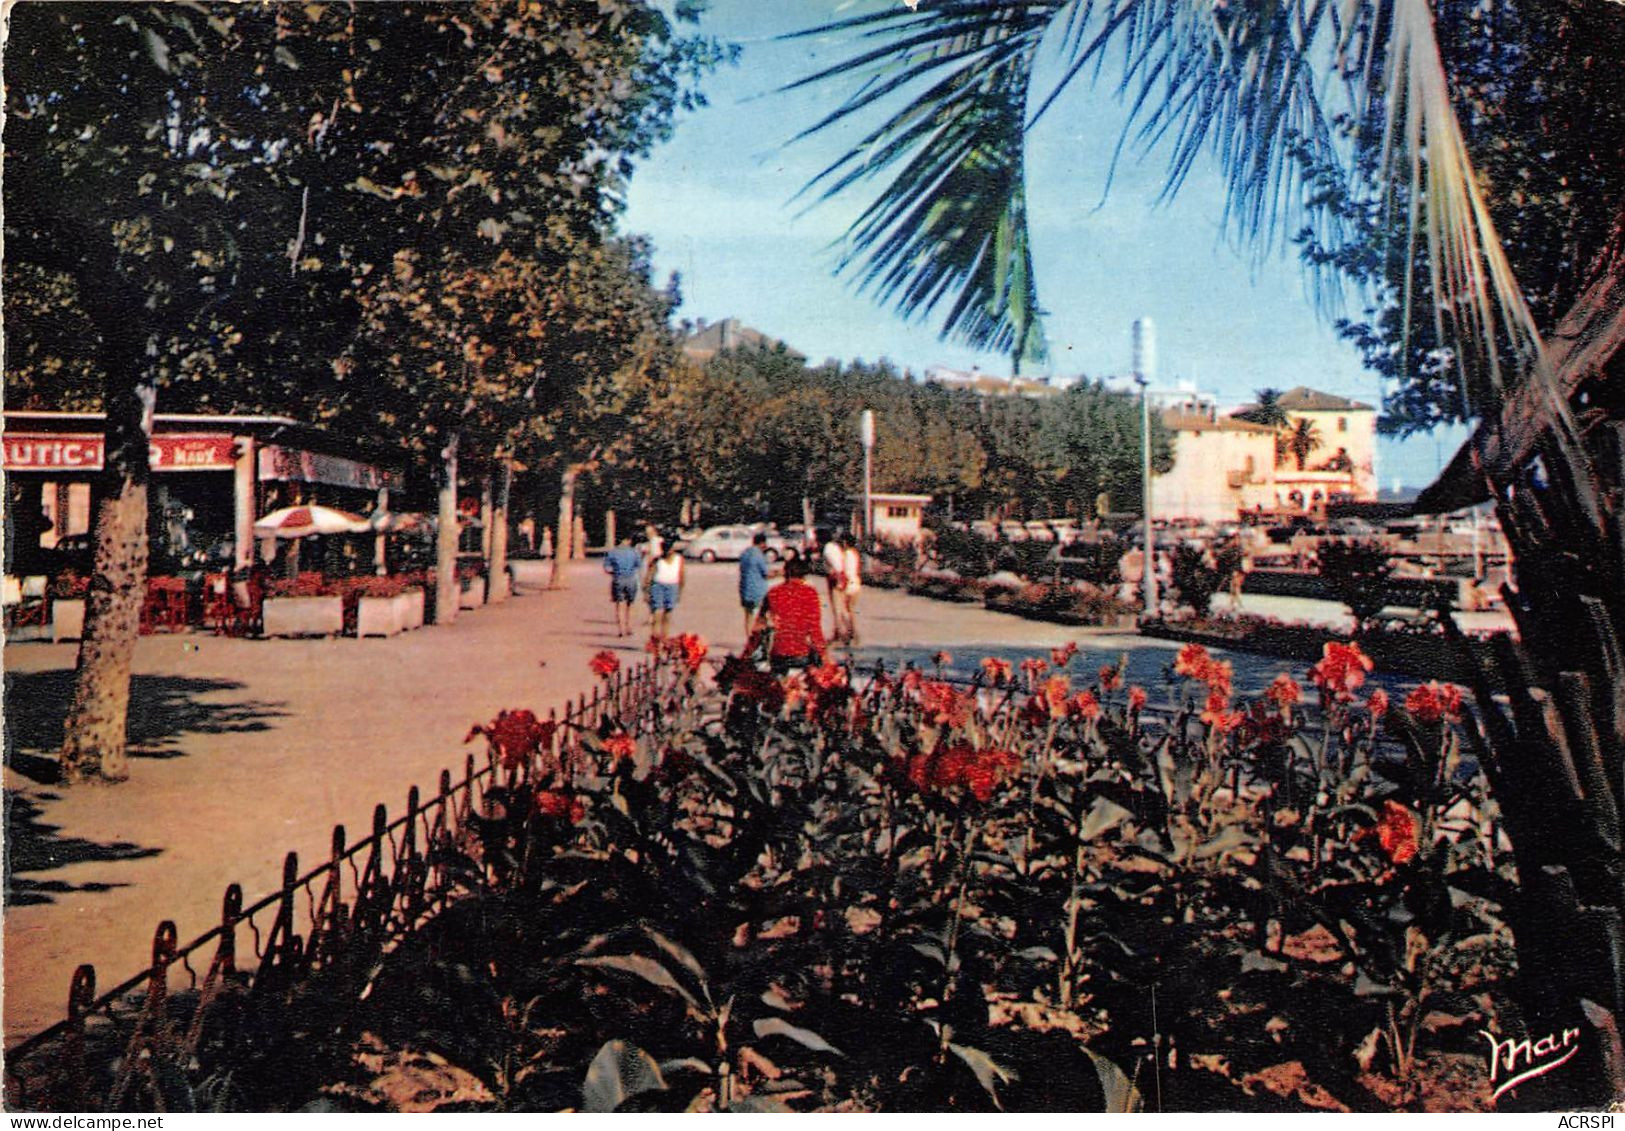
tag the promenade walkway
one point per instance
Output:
(246, 749)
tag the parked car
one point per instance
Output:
(1013, 531)
(1038, 531)
(729, 543)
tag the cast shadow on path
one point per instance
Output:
(32, 847)
(163, 709)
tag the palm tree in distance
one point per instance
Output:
(1303, 439)
(1308, 105)
(1267, 411)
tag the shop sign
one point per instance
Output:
(87, 451)
(53, 451)
(192, 452)
(314, 467)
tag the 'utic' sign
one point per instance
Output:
(85, 451)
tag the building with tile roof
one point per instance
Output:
(1224, 466)
(731, 334)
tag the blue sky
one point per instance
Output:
(717, 202)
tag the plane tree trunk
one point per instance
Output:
(447, 589)
(95, 731)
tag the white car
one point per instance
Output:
(729, 543)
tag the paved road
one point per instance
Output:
(250, 748)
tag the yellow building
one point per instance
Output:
(1347, 453)
(1224, 466)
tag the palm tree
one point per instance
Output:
(1267, 411)
(1284, 93)
(1303, 439)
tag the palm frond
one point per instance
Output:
(950, 230)
(1269, 88)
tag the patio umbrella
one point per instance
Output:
(296, 522)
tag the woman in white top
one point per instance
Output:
(852, 575)
(835, 575)
(665, 587)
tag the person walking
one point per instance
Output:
(835, 575)
(851, 586)
(753, 574)
(665, 588)
(624, 565)
(791, 608)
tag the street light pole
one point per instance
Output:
(866, 429)
(1145, 365)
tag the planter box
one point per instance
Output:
(304, 616)
(387, 616)
(377, 616)
(67, 618)
(473, 594)
(411, 609)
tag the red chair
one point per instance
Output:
(217, 607)
(247, 608)
(168, 607)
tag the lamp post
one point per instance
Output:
(1145, 366)
(866, 431)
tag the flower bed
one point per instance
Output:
(1062, 604)
(1422, 651)
(1038, 889)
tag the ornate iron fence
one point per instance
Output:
(125, 1047)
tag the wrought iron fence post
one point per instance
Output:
(81, 996)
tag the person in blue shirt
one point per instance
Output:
(753, 573)
(623, 564)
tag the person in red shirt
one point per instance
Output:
(797, 618)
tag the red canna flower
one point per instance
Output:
(1284, 692)
(1434, 702)
(1341, 670)
(1398, 832)
(1377, 704)
(1218, 715)
(987, 769)
(828, 676)
(604, 664)
(1034, 668)
(1111, 677)
(515, 736)
(912, 679)
(1055, 690)
(1192, 662)
(620, 746)
(688, 648)
(1136, 700)
(942, 659)
(560, 805)
(944, 706)
(1450, 698)
(997, 670)
(1084, 706)
(1062, 656)
(961, 765)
